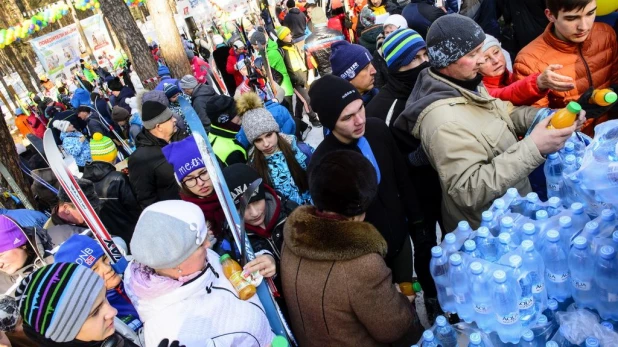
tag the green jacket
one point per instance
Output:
(275, 60)
(225, 146)
(90, 76)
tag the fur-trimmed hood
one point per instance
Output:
(310, 236)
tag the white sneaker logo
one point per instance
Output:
(16, 241)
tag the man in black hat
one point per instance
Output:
(225, 124)
(121, 93)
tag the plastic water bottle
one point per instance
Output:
(534, 265)
(528, 232)
(504, 244)
(607, 224)
(554, 206)
(556, 268)
(551, 344)
(429, 340)
(566, 232)
(445, 333)
(607, 325)
(579, 218)
(580, 264)
(606, 277)
(542, 321)
(507, 226)
(552, 308)
(481, 298)
(459, 281)
(553, 175)
(463, 231)
(485, 244)
(504, 299)
(592, 342)
(542, 224)
(527, 310)
(470, 248)
(475, 340)
(488, 221)
(515, 201)
(527, 339)
(499, 207)
(591, 230)
(438, 266)
(533, 204)
(450, 244)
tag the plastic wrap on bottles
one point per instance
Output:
(599, 169)
(577, 325)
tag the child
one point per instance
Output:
(74, 142)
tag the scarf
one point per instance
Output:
(471, 85)
(39, 340)
(365, 149)
(146, 284)
(211, 207)
(408, 78)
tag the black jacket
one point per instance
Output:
(318, 46)
(296, 21)
(151, 176)
(100, 104)
(201, 94)
(381, 76)
(121, 99)
(528, 19)
(220, 56)
(419, 15)
(393, 92)
(369, 37)
(396, 201)
(119, 210)
(95, 125)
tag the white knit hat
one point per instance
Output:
(61, 125)
(397, 20)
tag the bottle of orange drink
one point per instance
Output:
(603, 97)
(233, 272)
(565, 117)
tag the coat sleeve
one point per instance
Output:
(127, 196)
(466, 174)
(392, 318)
(285, 121)
(230, 67)
(522, 69)
(199, 105)
(522, 117)
(143, 182)
(522, 92)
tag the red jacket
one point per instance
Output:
(231, 67)
(200, 70)
(522, 92)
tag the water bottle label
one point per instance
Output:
(612, 173)
(538, 288)
(581, 285)
(508, 319)
(460, 299)
(554, 186)
(526, 302)
(481, 308)
(557, 278)
(612, 297)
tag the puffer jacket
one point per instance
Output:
(277, 63)
(594, 63)
(121, 99)
(230, 66)
(200, 69)
(369, 37)
(471, 140)
(119, 209)
(201, 94)
(80, 150)
(317, 47)
(523, 92)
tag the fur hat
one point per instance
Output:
(343, 182)
(256, 120)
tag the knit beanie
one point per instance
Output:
(80, 97)
(256, 120)
(357, 183)
(220, 109)
(238, 178)
(347, 60)
(120, 114)
(87, 188)
(56, 300)
(258, 38)
(171, 90)
(367, 17)
(19, 111)
(397, 20)
(102, 148)
(184, 156)
(451, 37)
(290, 4)
(400, 48)
(489, 42)
(218, 40)
(189, 54)
(11, 235)
(188, 82)
(79, 249)
(114, 85)
(154, 113)
(163, 71)
(157, 96)
(61, 125)
(166, 234)
(329, 96)
(9, 313)
(282, 32)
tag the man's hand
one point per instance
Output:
(592, 110)
(554, 81)
(552, 140)
(264, 263)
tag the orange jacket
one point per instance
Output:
(599, 54)
(21, 122)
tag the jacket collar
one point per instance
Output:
(564, 46)
(219, 131)
(317, 238)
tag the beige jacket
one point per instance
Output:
(471, 140)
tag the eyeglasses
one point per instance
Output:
(192, 182)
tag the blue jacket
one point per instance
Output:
(25, 218)
(119, 300)
(282, 117)
(78, 149)
(166, 79)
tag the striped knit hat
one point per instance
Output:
(400, 47)
(102, 148)
(282, 32)
(56, 300)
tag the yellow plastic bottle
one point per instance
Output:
(233, 272)
(603, 97)
(565, 117)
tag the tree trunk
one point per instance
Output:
(112, 34)
(15, 60)
(30, 63)
(130, 37)
(80, 29)
(8, 156)
(169, 39)
(6, 88)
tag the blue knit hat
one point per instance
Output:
(171, 90)
(19, 111)
(184, 157)
(347, 60)
(81, 97)
(79, 249)
(163, 71)
(400, 48)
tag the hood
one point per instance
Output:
(273, 211)
(203, 90)
(97, 170)
(310, 236)
(81, 97)
(294, 10)
(126, 92)
(146, 139)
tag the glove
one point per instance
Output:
(592, 110)
(166, 343)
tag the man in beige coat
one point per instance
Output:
(469, 137)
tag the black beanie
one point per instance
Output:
(154, 113)
(220, 109)
(329, 96)
(87, 187)
(290, 4)
(238, 178)
(114, 85)
(343, 182)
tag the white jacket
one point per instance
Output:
(203, 312)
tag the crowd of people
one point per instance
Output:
(427, 113)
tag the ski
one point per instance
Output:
(103, 121)
(271, 309)
(77, 196)
(15, 187)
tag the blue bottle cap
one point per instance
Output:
(528, 228)
(507, 222)
(515, 261)
(476, 267)
(565, 222)
(553, 236)
(436, 251)
(450, 238)
(551, 344)
(592, 228)
(569, 147)
(570, 159)
(504, 238)
(475, 338)
(532, 197)
(528, 335)
(615, 236)
(441, 321)
(470, 245)
(428, 335)
(573, 178)
(487, 216)
(577, 207)
(499, 276)
(527, 245)
(482, 232)
(554, 202)
(608, 325)
(607, 215)
(455, 259)
(553, 156)
(592, 342)
(607, 252)
(499, 204)
(552, 304)
(580, 242)
(463, 225)
(512, 192)
(541, 214)
(542, 320)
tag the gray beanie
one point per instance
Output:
(190, 54)
(256, 120)
(154, 113)
(258, 37)
(166, 234)
(156, 95)
(188, 82)
(451, 37)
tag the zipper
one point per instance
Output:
(581, 54)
